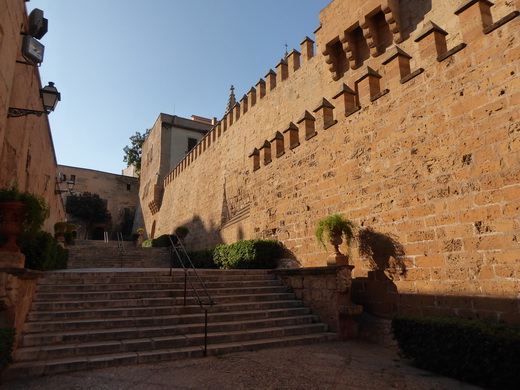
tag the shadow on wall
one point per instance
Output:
(202, 237)
(379, 294)
(412, 14)
(385, 254)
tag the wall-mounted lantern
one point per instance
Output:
(50, 97)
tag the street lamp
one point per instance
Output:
(70, 186)
(50, 97)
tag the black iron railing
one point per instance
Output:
(201, 294)
(121, 248)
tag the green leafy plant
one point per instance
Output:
(248, 254)
(36, 209)
(480, 352)
(182, 231)
(42, 251)
(202, 258)
(7, 339)
(89, 208)
(334, 225)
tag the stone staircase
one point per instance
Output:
(98, 254)
(88, 319)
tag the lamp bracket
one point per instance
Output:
(18, 112)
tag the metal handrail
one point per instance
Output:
(179, 250)
(121, 248)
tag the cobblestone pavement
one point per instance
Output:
(332, 365)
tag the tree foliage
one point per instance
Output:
(89, 208)
(134, 151)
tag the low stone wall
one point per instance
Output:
(17, 288)
(326, 290)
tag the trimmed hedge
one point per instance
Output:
(7, 338)
(202, 258)
(248, 254)
(480, 352)
(42, 252)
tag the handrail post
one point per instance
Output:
(185, 284)
(205, 332)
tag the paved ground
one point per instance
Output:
(333, 365)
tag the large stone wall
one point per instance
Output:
(417, 141)
(26, 149)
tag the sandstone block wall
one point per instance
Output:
(405, 118)
(26, 149)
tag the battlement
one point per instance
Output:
(360, 50)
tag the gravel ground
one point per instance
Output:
(332, 365)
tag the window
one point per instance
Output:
(191, 143)
(128, 186)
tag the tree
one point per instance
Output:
(134, 151)
(89, 208)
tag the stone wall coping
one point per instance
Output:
(465, 4)
(23, 273)
(310, 270)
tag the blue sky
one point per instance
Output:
(119, 63)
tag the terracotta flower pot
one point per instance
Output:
(12, 224)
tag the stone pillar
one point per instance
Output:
(474, 17)
(397, 65)
(266, 152)
(432, 41)
(348, 99)
(292, 130)
(270, 78)
(294, 61)
(252, 96)
(347, 327)
(309, 125)
(282, 70)
(278, 142)
(255, 156)
(368, 86)
(307, 49)
(325, 114)
(260, 89)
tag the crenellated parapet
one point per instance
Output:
(362, 55)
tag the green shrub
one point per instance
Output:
(42, 251)
(7, 339)
(162, 241)
(202, 258)
(147, 244)
(484, 353)
(247, 254)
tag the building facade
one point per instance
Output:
(403, 116)
(169, 141)
(27, 157)
(119, 192)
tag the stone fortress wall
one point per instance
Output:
(405, 118)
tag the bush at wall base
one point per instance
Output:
(7, 338)
(248, 254)
(480, 352)
(42, 252)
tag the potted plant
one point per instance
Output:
(140, 232)
(20, 212)
(335, 228)
(182, 232)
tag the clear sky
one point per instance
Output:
(119, 63)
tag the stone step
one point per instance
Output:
(59, 288)
(95, 279)
(133, 332)
(156, 311)
(140, 293)
(79, 363)
(58, 306)
(166, 320)
(160, 341)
